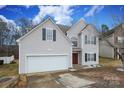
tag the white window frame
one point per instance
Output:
(120, 39)
(74, 40)
(90, 39)
(51, 32)
(90, 57)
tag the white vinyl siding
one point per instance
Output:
(35, 44)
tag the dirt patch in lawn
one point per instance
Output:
(43, 80)
(105, 76)
(108, 62)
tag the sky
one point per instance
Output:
(66, 15)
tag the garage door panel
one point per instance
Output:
(46, 63)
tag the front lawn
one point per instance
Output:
(107, 75)
(107, 62)
(8, 70)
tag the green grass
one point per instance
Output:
(8, 70)
(110, 62)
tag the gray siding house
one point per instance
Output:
(115, 37)
(50, 47)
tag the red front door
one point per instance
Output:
(75, 58)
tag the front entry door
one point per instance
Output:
(75, 58)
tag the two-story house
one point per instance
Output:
(85, 43)
(116, 37)
(48, 47)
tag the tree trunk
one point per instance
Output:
(121, 55)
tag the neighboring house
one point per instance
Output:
(48, 47)
(85, 42)
(115, 37)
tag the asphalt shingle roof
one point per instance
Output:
(110, 32)
(64, 28)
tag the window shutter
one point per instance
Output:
(94, 39)
(85, 57)
(43, 34)
(54, 35)
(86, 39)
(95, 57)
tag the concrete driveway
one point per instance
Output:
(43, 80)
(56, 80)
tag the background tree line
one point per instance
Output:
(9, 33)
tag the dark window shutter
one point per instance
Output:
(116, 39)
(43, 34)
(94, 39)
(95, 57)
(86, 39)
(85, 57)
(54, 35)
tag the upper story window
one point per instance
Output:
(93, 39)
(90, 39)
(74, 41)
(120, 39)
(48, 34)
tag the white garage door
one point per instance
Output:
(46, 63)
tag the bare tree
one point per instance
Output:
(121, 55)
(116, 21)
(3, 32)
(25, 24)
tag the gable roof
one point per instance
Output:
(83, 29)
(49, 18)
(86, 27)
(64, 28)
(73, 25)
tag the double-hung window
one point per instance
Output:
(120, 39)
(90, 57)
(90, 39)
(74, 41)
(93, 39)
(48, 34)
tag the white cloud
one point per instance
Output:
(10, 24)
(61, 14)
(8, 21)
(2, 6)
(94, 10)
